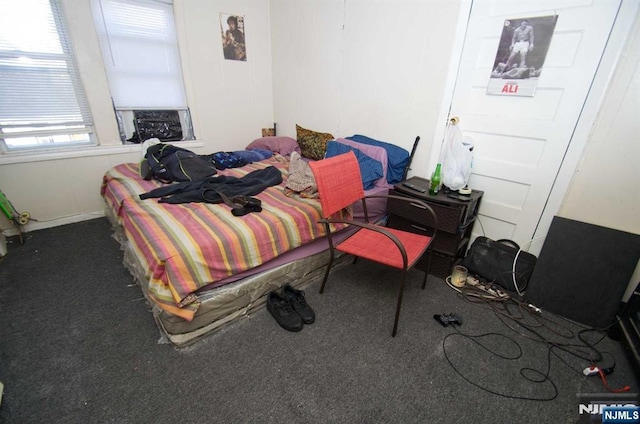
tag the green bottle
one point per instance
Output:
(434, 187)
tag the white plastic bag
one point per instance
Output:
(456, 158)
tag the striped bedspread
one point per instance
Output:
(192, 245)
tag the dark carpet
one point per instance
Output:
(78, 344)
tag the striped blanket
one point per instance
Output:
(189, 246)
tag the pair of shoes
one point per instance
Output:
(290, 309)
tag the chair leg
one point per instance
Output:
(326, 273)
(426, 272)
(395, 323)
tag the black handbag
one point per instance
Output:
(494, 262)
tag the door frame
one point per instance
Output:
(622, 27)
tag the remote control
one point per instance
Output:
(414, 187)
(446, 319)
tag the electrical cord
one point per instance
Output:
(542, 377)
(528, 322)
(521, 316)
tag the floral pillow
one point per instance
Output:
(313, 144)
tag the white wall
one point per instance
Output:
(230, 100)
(605, 188)
(363, 67)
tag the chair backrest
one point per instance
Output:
(339, 182)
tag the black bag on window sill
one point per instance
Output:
(494, 261)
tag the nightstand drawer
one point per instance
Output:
(445, 243)
(448, 217)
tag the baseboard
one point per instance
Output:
(41, 225)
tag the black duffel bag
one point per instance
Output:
(494, 262)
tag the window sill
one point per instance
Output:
(16, 158)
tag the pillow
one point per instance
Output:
(254, 155)
(374, 152)
(312, 144)
(397, 156)
(370, 169)
(282, 145)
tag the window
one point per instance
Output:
(42, 101)
(140, 51)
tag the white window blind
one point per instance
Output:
(42, 101)
(140, 50)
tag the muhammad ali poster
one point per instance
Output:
(233, 43)
(521, 53)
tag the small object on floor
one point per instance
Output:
(459, 276)
(592, 370)
(446, 319)
(299, 303)
(18, 219)
(282, 310)
(1, 390)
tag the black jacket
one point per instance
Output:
(208, 190)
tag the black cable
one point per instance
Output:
(521, 314)
(543, 376)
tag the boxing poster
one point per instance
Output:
(521, 53)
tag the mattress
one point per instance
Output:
(240, 290)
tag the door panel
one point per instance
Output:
(520, 142)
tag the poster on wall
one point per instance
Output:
(521, 53)
(233, 30)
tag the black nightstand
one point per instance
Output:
(455, 221)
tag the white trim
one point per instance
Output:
(59, 153)
(41, 225)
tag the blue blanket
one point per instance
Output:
(370, 169)
(397, 156)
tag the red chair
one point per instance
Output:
(339, 186)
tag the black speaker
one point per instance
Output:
(583, 271)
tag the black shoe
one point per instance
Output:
(297, 300)
(282, 310)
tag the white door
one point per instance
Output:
(520, 142)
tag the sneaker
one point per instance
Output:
(282, 310)
(299, 303)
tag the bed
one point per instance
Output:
(199, 266)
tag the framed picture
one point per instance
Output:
(233, 37)
(521, 53)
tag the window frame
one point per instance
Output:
(44, 131)
(121, 73)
